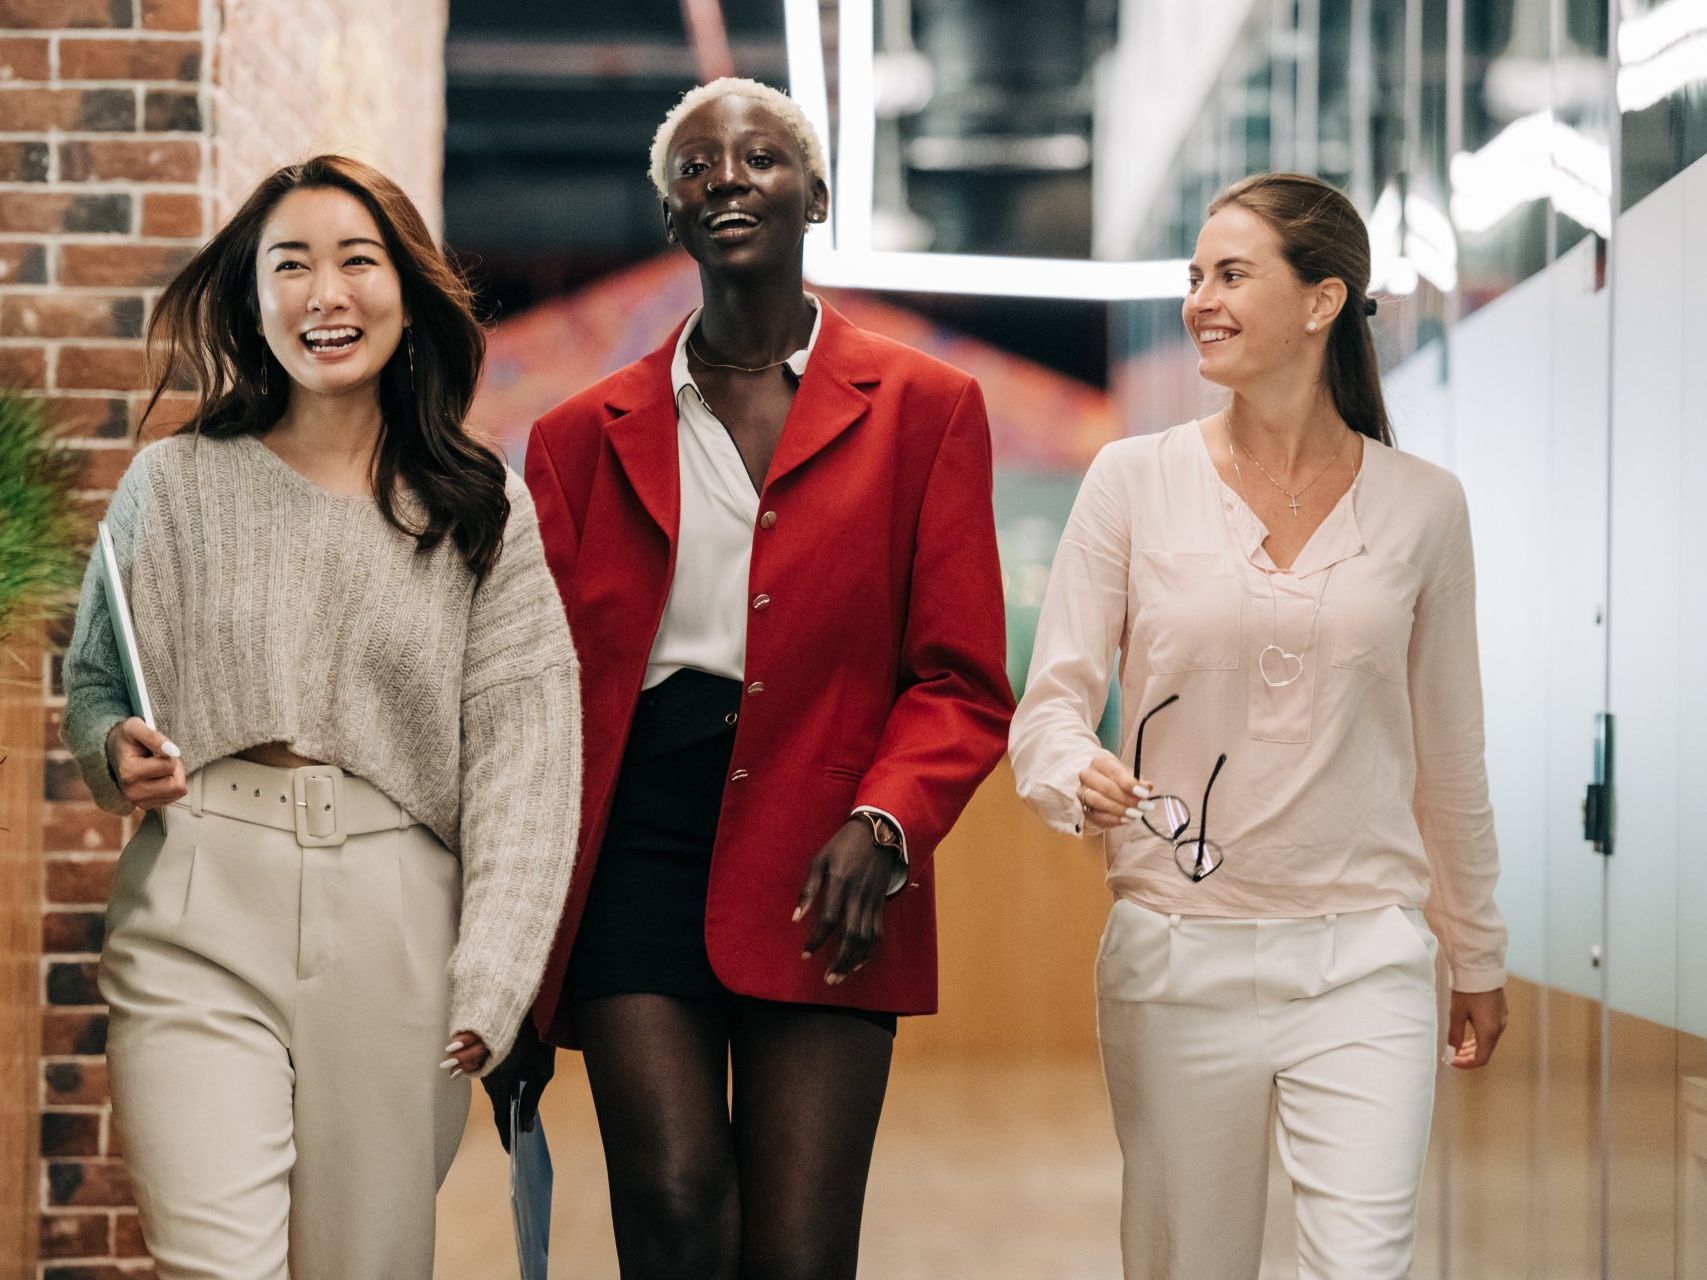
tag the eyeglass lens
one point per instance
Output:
(1171, 816)
(1197, 856)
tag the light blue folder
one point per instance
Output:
(530, 1192)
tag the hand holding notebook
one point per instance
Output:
(137, 752)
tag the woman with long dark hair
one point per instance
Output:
(1299, 808)
(774, 537)
(362, 789)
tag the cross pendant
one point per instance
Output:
(1293, 503)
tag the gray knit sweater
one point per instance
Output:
(269, 609)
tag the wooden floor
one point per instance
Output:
(1008, 1174)
(999, 1172)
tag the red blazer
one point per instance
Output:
(881, 648)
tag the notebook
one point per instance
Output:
(124, 632)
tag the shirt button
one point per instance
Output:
(737, 775)
(761, 601)
(757, 687)
(767, 520)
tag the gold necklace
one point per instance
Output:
(1290, 665)
(738, 368)
(1291, 497)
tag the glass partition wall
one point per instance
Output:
(1532, 176)
(1531, 172)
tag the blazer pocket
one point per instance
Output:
(1186, 611)
(1134, 959)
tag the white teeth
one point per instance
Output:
(732, 219)
(1213, 335)
(331, 335)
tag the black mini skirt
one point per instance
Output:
(643, 929)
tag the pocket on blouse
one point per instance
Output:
(1186, 611)
(1372, 604)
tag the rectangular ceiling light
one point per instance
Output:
(840, 255)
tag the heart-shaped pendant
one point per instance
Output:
(1297, 667)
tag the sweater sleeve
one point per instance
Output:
(521, 785)
(96, 698)
(1081, 626)
(1451, 802)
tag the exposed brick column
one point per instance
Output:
(104, 183)
(127, 127)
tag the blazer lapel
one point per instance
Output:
(643, 434)
(829, 399)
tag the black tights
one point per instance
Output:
(769, 1188)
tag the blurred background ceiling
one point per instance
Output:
(985, 141)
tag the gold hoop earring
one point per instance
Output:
(409, 350)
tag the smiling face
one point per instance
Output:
(1246, 310)
(739, 193)
(330, 299)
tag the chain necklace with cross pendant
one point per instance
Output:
(1293, 496)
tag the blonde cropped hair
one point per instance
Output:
(736, 86)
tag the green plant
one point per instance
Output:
(42, 541)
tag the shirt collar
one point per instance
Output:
(681, 379)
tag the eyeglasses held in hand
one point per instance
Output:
(1196, 856)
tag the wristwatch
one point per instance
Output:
(883, 833)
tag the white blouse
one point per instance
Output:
(705, 615)
(707, 610)
(1357, 783)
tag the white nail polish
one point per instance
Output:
(455, 1046)
(1146, 805)
(1132, 813)
(171, 749)
(448, 1062)
(798, 912)
(456, 1073)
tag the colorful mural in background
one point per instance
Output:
(1039, 419)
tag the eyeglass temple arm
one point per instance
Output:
(1203, 813)
(1138, 751)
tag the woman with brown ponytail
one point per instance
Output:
(1299, 809)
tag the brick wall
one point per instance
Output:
(126, 128)
(359, 78)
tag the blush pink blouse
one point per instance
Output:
(1360, 784)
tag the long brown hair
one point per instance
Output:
(205, 334)
(1323, 238)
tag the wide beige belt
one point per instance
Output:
(321, 803)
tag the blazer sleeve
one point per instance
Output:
(948, 728)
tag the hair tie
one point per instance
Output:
(1369, 306)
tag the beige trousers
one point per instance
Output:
(278, 1016)
(1212, 1031)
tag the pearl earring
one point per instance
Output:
(1311, 327)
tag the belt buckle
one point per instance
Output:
(319, 807)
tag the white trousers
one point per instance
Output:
(1212, 1030)
(278, 1016)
